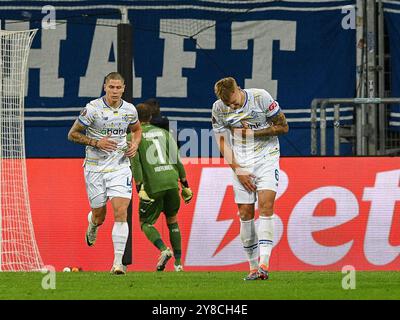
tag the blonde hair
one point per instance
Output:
(224, 88)
(114, 76)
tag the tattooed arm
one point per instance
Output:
(76, 135)
(278, 126)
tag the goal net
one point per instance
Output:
(18, 248)
(192, 19)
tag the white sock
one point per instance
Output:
(120, 233)
(265, 238)
(249, 239)
(91, 223)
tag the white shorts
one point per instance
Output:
(266, 178)
(101, 186)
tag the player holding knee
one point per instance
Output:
(246, 124)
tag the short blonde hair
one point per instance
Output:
(224, 88)
(114, 76)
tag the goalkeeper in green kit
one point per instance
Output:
(156, 170)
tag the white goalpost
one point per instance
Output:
(18, 248)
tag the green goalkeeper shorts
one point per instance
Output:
(166, 201)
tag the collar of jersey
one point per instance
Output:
(244, 104)
(105, 102)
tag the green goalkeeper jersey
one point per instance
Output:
(157, 163)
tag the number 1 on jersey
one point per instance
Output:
(159, 150)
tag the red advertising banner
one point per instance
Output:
(329, 212)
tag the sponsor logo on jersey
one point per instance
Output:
(254, 125)
(113, 131)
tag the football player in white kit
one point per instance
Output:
(107, 165)
(246, 124)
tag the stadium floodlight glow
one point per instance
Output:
(18, 248)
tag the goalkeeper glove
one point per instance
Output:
(143, 196)
(187, 193)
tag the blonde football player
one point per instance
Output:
(107, 166)
(246, 123)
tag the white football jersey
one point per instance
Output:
(259, 107)
(101, 120)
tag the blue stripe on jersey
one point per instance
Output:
(86, 125)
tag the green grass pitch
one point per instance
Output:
(198, 286)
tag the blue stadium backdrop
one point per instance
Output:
(392, 17)
(296, 50)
